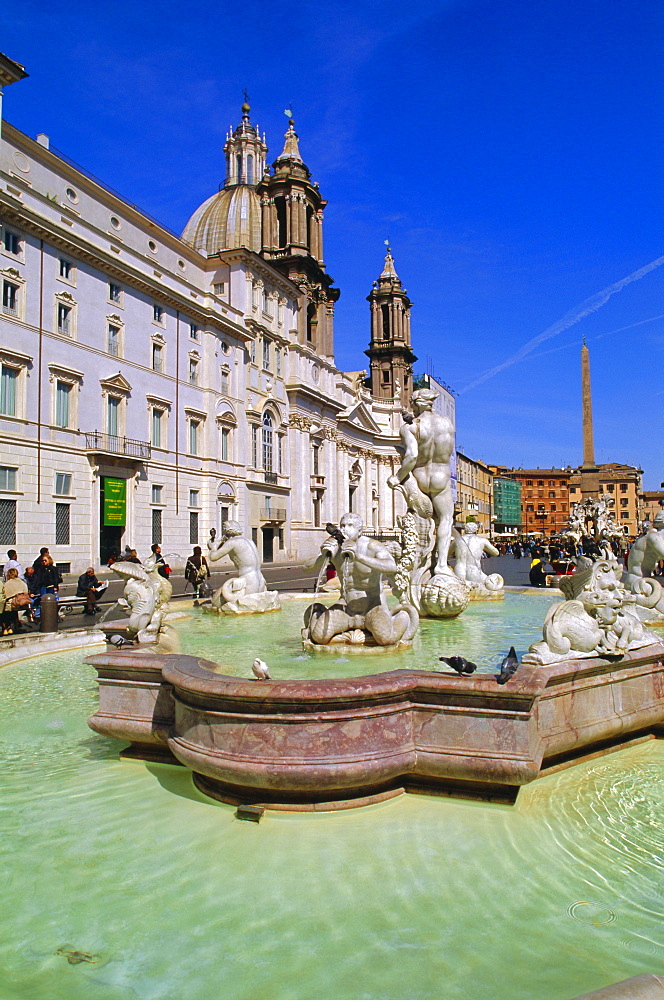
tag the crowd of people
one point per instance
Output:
(22, 588)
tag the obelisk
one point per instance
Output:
(589, 471)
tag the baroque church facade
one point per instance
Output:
(154, 385)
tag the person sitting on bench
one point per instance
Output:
(90, 588)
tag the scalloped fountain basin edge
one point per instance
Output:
(335, 743)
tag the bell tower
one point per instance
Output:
(390, 354)
(292, 226)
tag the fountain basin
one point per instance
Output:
(336, 741)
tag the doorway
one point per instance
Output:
(268, 544)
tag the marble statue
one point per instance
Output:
(246, 593)
(599, 618)
(428, 443)
(644, 555)
(361, 617)
(423, 578)
(469, 549)
(145, 599)
(594, 520)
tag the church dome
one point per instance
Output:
(232, 217)
(229, 219)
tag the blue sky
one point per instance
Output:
(510, 150)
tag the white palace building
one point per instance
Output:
(153, 386)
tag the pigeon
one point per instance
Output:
(459, 664)
(508, 667)
(119, 641)
(260, 670)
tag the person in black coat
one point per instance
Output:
(48, 576)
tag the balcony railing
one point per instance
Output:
(113, 444)
(271, 478)
(317, 480)
(273, 514)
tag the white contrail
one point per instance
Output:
(586, 307)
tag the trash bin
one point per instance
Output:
(48, 613)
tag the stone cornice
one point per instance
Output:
(41, 227)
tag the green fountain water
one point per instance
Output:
(483, 633)
(121, 881)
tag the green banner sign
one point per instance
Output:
(115, 502)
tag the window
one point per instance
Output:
(8, 387)
(529, 482)
(540, 482)
(157, 426)
(266, 353)
(277, 354)
(193, 371)
(193, 527)
(64, 319)
(280, 453)
(252, 352)
(157, 358)
(113, 415)
(193, 498)
(552, 493)
(386, 377)
(624, 501)
(62, 405)
(316, 502)
(194, 332)
(193, 436)
(63, 484)
(553, 506)
(62, 524)
(225, 442)
(623, 487)
(65, 269)
(224, 382)
(218, 288)
(114, 293)
(267, 442)
(7, 522)
(156, 526)
(113, 340)
(8, 479)
(11, 242)
(158, 313)
(254, 445)
(10, 298)
(552, 482)
(157, 492)
(315, 459)
(610, 487)
(266, 302)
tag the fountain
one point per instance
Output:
(594, 682)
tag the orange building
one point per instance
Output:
(544, 499)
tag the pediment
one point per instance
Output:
(117, 382)
(359, 415)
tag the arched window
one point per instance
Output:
(267, 442)
(238, 160)
(280, 205)
(385, 309)
(250, 169)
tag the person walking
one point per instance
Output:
(197, 571)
